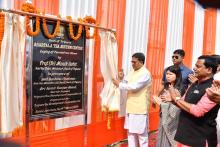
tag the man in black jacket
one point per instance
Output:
(197, 125)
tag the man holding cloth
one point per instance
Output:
(138, 86)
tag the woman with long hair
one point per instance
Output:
(168, 112)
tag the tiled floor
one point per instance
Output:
(152, 141)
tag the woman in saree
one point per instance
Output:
(168, 112)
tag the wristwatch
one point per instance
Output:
(177, 99)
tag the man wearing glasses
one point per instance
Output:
(177, 58)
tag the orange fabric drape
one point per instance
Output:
(188, 31)
(156, 48)
(209, 31)
(50, 7)
(110, 14)
(18, 4)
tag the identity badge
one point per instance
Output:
(196, 91)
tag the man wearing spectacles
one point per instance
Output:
(177, 58)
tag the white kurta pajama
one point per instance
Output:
(137, 123)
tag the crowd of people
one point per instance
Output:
(188, 100)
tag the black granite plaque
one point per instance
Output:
(57, 75)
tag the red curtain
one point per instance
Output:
(156, 49)
(48, 6)
(188, 31)
(209, 31)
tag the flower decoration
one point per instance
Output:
(56, 31)
(71, 31)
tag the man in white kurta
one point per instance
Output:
(137, 85)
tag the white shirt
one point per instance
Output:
(136, 123)
(141, 82)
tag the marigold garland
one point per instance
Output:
(28, 26)
(71, 32)
(28, 7)
(2, 23)
(45, 29)
(91, 20)
(109, 117)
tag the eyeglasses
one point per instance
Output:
(176, 57)
(134, 62)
